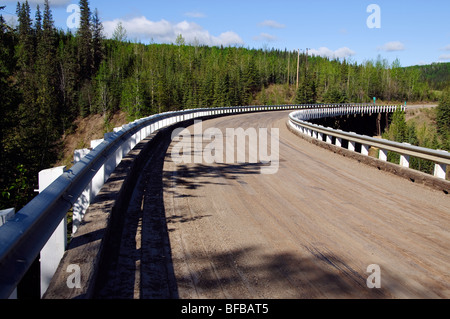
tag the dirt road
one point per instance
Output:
(308, 231)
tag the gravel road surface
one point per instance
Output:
(309, 231)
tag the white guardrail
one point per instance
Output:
(31, 230)
(299, 121)
(38, 229)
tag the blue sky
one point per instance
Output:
(415, 32)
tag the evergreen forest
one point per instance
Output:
(50, 77)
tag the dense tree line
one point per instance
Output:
(45, 77)
(49, 77)
(437, 75)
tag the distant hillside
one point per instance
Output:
(437, 75)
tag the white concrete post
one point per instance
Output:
(95, 143)
(53, 250)
(383, 155)
(440, 170)
(329, 139)
(6, 214)
(404, 160)
(351, 146)
(320, 136)
(79, 154)
(338, 142)
(365, 149)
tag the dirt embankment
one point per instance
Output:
(85, 130)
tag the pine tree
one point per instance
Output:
(25, 136)
(47, 81)
(26, 51)
(38, 24)
(97, 40)
(67, 79)
(306, 92)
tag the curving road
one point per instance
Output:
(308, 231)
(199, 230)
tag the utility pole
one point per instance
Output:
(288, 75)
(298, 65)
(306, 58)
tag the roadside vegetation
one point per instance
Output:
(427, 127)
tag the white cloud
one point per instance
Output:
(444, 57)
(392, 46)
(265, 37)
(446, 48)
(337, 54)
(195, 14)
(167, 32)
(272, 24)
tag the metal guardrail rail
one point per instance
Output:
(298, 120)
(23, 237)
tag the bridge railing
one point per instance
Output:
(299, 121)
(23, 237)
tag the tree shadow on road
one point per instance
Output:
(192, 177)
(250, 273)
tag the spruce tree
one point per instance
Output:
(26, 138)
(85, 45)
(306, 92)
(85, 60)
(47, 84)
(97, 40)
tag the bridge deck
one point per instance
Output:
(308, 231)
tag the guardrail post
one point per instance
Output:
(383, 155)
(351, 146)
(440, 170)
(53, 250)
(404, 159)
(6, 214)
(95, 143)
(338, 142)
(364, 149)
